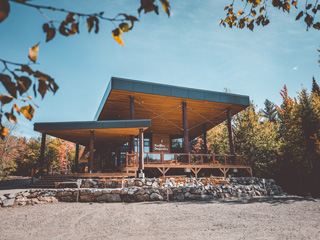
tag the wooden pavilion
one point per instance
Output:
(142, 126)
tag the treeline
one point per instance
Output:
(281, 142)
(18, 155)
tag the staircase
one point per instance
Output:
(48, 181)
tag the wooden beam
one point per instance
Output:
(141, 149)
(195, 171)
(91, 150)
(231, 139)
(42, 150)
(205, 143)
(76, 160)
(185, 127)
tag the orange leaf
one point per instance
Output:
(16, 108)
(116, 35)
(33, 53)
(240, 13)
(27, 111)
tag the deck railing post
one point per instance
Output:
(225, 159)
(213, 158)
(127, 159)
(236, 157)
(189, 158)
(176, 158)
(201, 159)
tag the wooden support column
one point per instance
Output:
(231, 139)
(91, 150)
(131, 117)
(205, 143)
(42, 150)
(76, 160)
(185, 127)
(141, 149)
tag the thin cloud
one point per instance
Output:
(295, 68)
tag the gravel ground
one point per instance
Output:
(288, 217)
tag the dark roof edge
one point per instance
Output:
(104, 99)
(47, 126)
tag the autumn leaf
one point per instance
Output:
(75, 27)
(33, 53)
(148, 6)
(317, 25)
(4, 99)
(124, 27)
(240, 13)
(15, 107)
(3, 131)
(42, 88)
(116, 35)
(27, 69)
(286, 6)
(130, 18)
(11, 117)
(4, 9)
(27, 111)
(70, 17)
(90, 24)
(23, 84)
(8, 84)
(166, 6)
(299, 15)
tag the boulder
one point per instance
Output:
(180, 196)
(156, 197)
(109, 198)
(142, 198)
(87, 198)
(8, 202)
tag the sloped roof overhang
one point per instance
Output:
(115, 132)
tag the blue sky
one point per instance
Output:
(188, 49)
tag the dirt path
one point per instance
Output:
(270, 218)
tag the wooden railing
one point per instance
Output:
(185, 159)
(132, 159)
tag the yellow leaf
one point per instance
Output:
(166, 6)
(116, 35)
(247, 20)
(27, 111)
(33, 53)
(240, 13)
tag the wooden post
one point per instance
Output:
(91, 150)
(42, 150)
(231, 139)
(141, 150)
(131, 117)
(76, 160)
(185, 127)
(204, 127)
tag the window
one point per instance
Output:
(176, 144)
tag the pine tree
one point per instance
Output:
(315, 87)
(270, 111)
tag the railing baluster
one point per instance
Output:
(161, 156)
(127, 160)
(225, 159)
(189, 159)
(201, 159)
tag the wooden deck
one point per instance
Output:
(195, 162)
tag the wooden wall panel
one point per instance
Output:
(160, 142)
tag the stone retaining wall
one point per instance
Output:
(138, 190)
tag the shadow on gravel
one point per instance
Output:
(270, 200)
